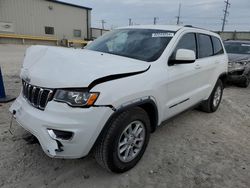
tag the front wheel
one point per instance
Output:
(123, 144)
(246, 82)
(213, 102)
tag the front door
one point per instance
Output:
(183, 80)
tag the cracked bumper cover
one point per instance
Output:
(238, 75)
(85, 123)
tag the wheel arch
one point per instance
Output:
(223, 78)
(152, 111)
(147, 104)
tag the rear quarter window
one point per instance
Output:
(205, 46)
(218, 49)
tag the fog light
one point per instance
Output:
(60, 135)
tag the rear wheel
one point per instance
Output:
(213, 102)
(123, 144)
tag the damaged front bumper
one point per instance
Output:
(238, 75)
(62, 131)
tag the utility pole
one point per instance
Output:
(226, 13)
(103, 23)
(129, 21)
(179, 15)
(155, 20)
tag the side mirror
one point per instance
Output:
(183, 56)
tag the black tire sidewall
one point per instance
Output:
(114, 163)
(218, 84)
(246, 83)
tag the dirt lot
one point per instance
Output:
(193, 150)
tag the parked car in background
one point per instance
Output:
(239, 62)
(109, 97)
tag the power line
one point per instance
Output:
(226, 13)
(179, 15)
(199, 4)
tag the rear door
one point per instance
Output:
(207, 63)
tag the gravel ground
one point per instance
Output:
(195, 149)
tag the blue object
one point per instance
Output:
(3, 97)
(2, 90)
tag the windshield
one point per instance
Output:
(141, 44)
(237, 48)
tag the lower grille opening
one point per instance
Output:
(61, 135)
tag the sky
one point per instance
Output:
(206, 14)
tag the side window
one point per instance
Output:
(205, 46)
(188, 42)
(218, 49)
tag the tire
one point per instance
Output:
(107, 151)
(210, 105)
(245, 84)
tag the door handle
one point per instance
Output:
(197, 67)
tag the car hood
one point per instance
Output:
(57, 67)
(233, 58)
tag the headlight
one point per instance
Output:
(237, 65)
(76, 98)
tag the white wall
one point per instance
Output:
(31, 16)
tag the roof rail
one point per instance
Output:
(195, 27)
(188, 26)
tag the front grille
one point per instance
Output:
(37, 96)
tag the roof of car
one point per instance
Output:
(174, 28)
(160, 27)
(238, 41)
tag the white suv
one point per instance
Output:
(110, 96)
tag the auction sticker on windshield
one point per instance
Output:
(162, 34)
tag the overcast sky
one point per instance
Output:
(201, 13)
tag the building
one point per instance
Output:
(34, 20)
(97, 32)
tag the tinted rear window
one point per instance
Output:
(218, 49)
(205, 46)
